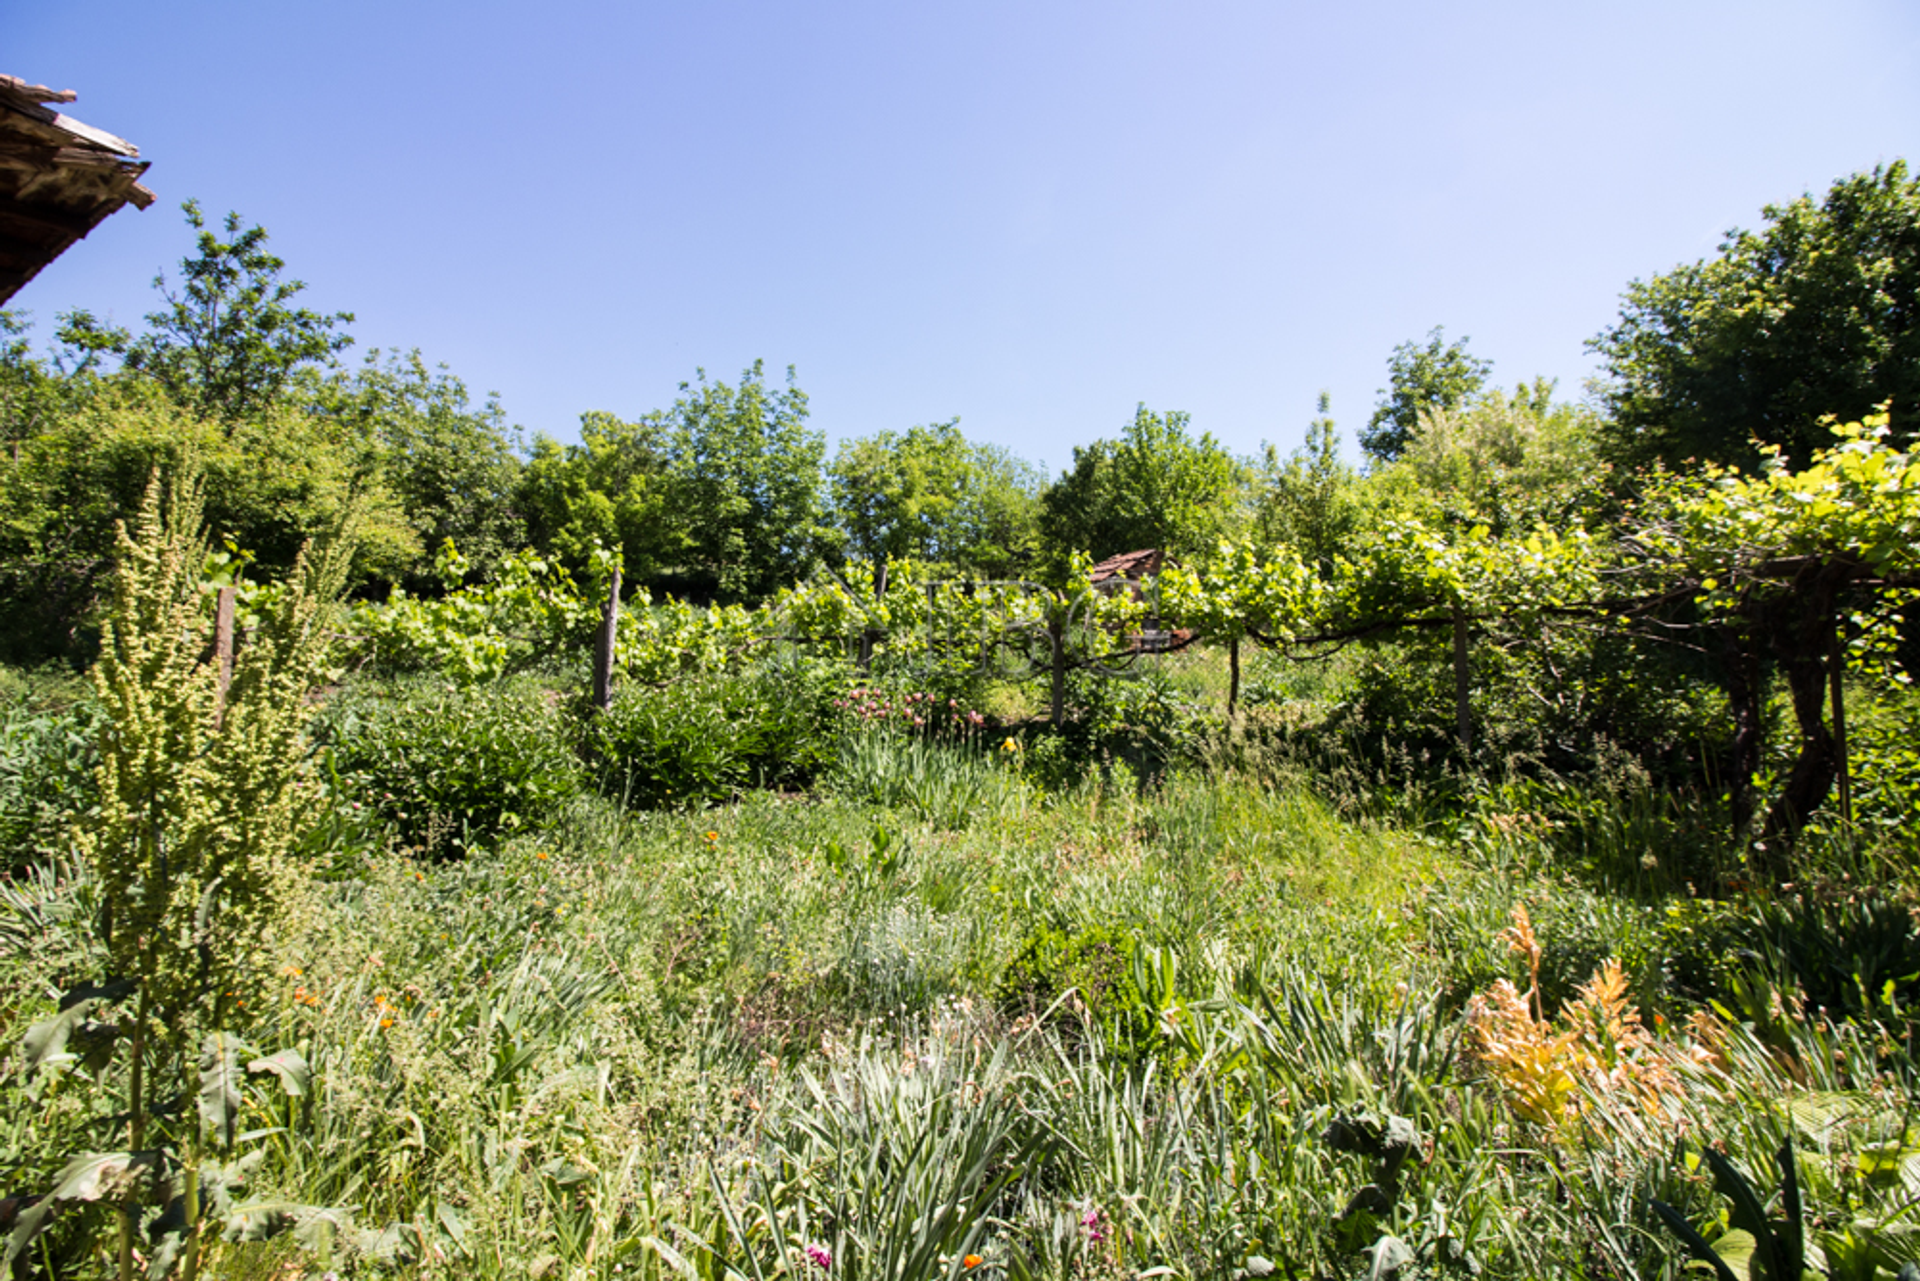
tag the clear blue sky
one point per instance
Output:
(1031, 215)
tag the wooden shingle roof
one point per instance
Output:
(59, 179)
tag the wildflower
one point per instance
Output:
(289, 971)
(1011, 745)
(971, 1262)
(818, 1255)
(386, 1023)
(1095, 1224)
(713, 838)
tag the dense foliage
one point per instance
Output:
(1376, 889)
(1816, 315)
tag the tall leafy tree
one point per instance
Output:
(229, 339)
(748, 473)
(898, 494)
(1438, 375)
(1307, 501)
(452, 465)
(1505, 460)
(931, 494)
(1156, 486)
(1816, 314)
(616, 488)
(1000, 514)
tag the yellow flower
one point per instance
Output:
(1011, 745)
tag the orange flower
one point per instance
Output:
(971, 1262)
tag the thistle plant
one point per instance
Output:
(200, 796)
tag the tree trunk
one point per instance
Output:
(1811, 777)
(1837, 672)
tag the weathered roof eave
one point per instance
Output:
(59, 179)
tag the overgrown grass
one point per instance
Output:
(936, 1012)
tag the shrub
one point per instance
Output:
(46, 779)
(450, 768)
(1095, 965)
(706, 738)
(687, 745)
(945, 787)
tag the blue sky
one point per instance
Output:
(1030, 215)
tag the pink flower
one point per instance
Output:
(1095, 1224)
(820, 1258)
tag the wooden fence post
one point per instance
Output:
(1233, 679)
(1837, 668)
(223, 649)
(1462, 673)
(603, 645)
(1056, 633)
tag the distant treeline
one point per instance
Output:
(729, 493)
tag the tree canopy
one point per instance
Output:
(229, 339)
(1815, 315)
(1156, 486)
(1439, 375)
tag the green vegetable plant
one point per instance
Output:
(201, 797)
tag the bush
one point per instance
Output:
(705, 739)
(1096, 965)
(687, 745)
(946, 787)
(46, 779)
(451, 768)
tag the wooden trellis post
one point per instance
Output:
(603, 645)
(1462, 674)
(1837, 672)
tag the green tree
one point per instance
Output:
(451, 466)
(1309, 500)
(1438, 375)
(1154, 487)
(616, 488)
(1817, 314)
(273, 482)
(1506, 461)
(32, 395)
(228, 342)
(898, 494)
(929, 494)
(747, 473)
(1000, 514)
